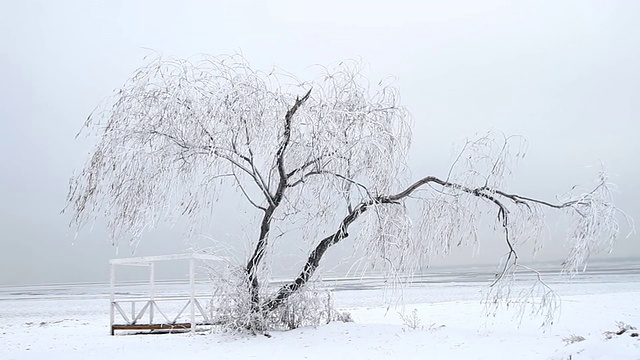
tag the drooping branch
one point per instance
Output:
(525, 199)
(246, 195)
(309, 163)
(211, 149)
(304, 166)
(252, 162)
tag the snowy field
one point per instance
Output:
(72, 322)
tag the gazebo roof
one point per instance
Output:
(147, 260)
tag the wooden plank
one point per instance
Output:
(115, 327)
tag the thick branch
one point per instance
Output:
(286, 138)
(316, 255)
(265, 227)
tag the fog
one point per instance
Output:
(564, 75)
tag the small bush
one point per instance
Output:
(233, 311)
(572, 339)
(411, 321)
(622, 328)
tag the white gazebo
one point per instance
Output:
(136, 320)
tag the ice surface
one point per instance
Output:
(71, 322)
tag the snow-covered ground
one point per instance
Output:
(453, 325)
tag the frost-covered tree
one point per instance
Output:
(325, 154)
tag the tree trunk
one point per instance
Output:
(256, 258)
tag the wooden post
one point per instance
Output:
(133, 312)
(328, 306)
(112, 285)
(192, 297)
(152, 276)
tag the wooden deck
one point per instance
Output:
(176, 326)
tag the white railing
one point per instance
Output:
(145, 311)
(197, 314)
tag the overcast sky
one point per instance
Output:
(564, 74)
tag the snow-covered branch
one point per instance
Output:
(589, 231)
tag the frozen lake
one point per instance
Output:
(600, 272)
(71, 321)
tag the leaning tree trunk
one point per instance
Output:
(490, 195)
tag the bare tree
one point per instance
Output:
(325, 153)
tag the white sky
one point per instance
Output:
(563, 74)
